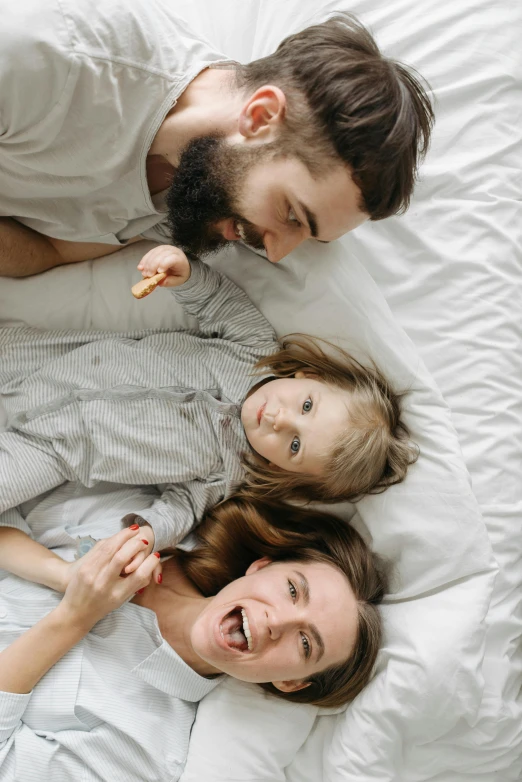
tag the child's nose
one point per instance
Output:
(282, 420)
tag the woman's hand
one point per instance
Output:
(168, 259)
(147, 537)
(96, 585)
(145, 533)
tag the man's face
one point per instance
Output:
(223, 192)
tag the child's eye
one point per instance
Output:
(295, 445)
(306, 645)
(307, 406)
(292, 590)
(292, 218)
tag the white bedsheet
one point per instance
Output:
(443, 706)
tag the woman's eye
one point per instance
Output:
(307, 406)
(292, 217)
(295, 445)
(292, 590)
(306, 645)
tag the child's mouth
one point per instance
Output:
(260, 413)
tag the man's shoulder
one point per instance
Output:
(54, 51)
(35, 63)
(31, 27)
(145, 34)
(149, 33)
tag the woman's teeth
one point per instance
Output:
(235, 630)
(246, 630)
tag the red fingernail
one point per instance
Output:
(157, 554)
(160, 578)
(135, 526)
(140, 591)
(145, 541)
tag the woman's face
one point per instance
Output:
(280, 623)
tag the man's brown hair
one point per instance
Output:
(346, 100)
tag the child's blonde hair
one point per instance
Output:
(371, 453)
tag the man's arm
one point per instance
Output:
(24, 252)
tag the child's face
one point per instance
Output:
(294, 422)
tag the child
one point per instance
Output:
(181, 409)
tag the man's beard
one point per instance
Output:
(204, 191)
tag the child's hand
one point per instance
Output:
(170, 260)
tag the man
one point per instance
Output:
(119, 123)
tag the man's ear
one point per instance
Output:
(259, 564)
(263, 113)
(291, 686)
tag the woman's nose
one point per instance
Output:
(283, 622)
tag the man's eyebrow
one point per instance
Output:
(311, 219)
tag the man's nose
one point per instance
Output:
(278, 246)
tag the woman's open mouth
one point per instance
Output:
(235, 630)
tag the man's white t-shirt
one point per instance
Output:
(84, 88)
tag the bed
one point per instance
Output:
(435, 297)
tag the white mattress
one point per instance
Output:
(446, 706)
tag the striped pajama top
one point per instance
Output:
(149, 408)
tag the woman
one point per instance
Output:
(96, 688)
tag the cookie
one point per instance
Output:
(147, 285)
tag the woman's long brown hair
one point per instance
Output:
(239, 531)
